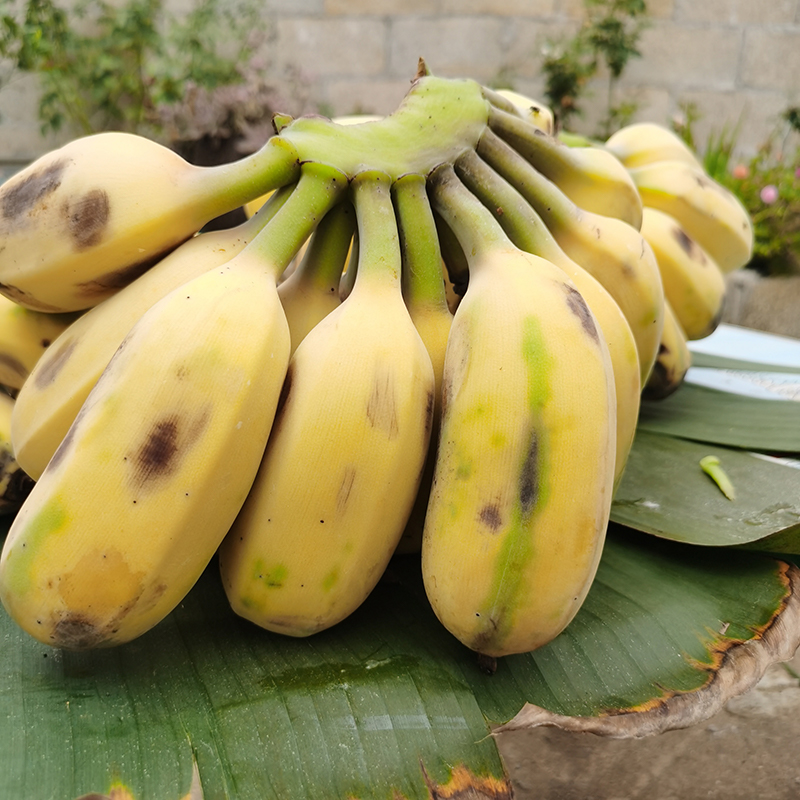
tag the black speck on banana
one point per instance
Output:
(591, 177)
(610, 250)
(83, 221)
(196, 380)
(646, 142)
(524, 474)
(25, 335)
(526, 107)
(713, 216)
(694, 286)
(673, 362)
(527, 231)
(346, 453)
(62, 379)
(15, 484)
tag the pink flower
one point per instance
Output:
(769, 194)
(740, 171)
(797, 173)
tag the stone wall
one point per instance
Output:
(738, 60)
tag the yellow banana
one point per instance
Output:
(24, 337)
(426, 299)
(195, 382)
(522, 490)
(591, 177)
(61, 381)
(311, 292)
(343, 463)
(647, 142)
(673, 362)
(713, 216)
(527, 107)
(82, 221)
(15, 485)
(613, 252)
(527, 231)
(694, 286)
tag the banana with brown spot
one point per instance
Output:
(673, 362)
(614, 253)
(527, 231)
(527, 107)
(694, 285)
(15, 484)
(82, 221)
(346, 453)
(196, 380)
(61, 381)
(525, 469)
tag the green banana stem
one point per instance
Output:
(498, 101)
(514, 213)
(477, 231)
(379, 259)
(422, 280)
(229, 186)
(318, 189)
(543, 195)
(323, 263)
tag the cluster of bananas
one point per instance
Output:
(433, 336)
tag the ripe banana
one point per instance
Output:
(646, 142)
(311, 292)
(51, 398)
(528, 408)
(694, 286)
(592, 178)
(528, 108)
(344, 459)
(24, 337)
(426, 299)
(714, 217)
(197, 379)
(613, 252)
(673, 362)
(83, 221)
(15, 485)
(527, 231)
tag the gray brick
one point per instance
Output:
(736, 12)
(354, 96)
(382, 7)
(518, 8)
(771, 59)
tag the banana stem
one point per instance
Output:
(514, 213)
(555, 208)
(326, 256)
(228, 186)
(379, 256)
(477, 231)
(316, 192)
(498, 101)
(422, 280)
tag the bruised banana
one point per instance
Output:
(196, 380)
(428, 306)
(58, 386)
(592, 178)
(673, 362)
(25, 335)
(613, 252)
(83, 221)
(644, 143)
(528, 232)
(528, 408)
(694, 286)
(713, 216)
(15, 485)
(343, 462)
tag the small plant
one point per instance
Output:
(609, 35)
(768, 184)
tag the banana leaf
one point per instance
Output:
(751, 349)
(387, 704)
(665, 492)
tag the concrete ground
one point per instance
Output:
(747, 751)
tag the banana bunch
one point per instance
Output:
(431, 335)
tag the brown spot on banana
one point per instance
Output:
(689, 246)
(87, 218)
(382, 405)
(345, 487)
(78, 632)
(25, 299)
(23, 197)
(529, 477)
(52, 363)
(490, 516)
(578, 307)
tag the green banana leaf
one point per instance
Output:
(665, 492)
(387, 704)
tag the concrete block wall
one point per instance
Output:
(737, 60)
